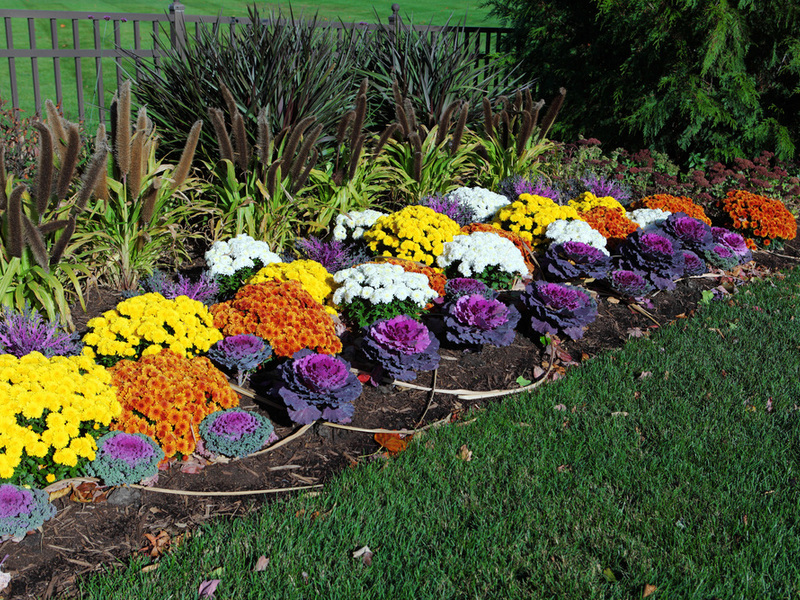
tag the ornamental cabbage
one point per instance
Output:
(125, 458)
(242, 353)
(556, 308)
(693, 264)
(734, 241)
(572, 260)
(629, 283)
(692, 234)
(401, 346)
(721, 256)
(22, 510)
(476, 320)
(235, 432)
(654, 257)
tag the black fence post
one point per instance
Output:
(177, 27)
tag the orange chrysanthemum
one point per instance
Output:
(611, 223)
(763, 218)
(521, 244)
(674, 204)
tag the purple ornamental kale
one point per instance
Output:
(242, 353)
(28, 331)
(235, 432)
(722, 257)
(450, 207)
(692, 234)
(512, 187)
(22, 510)
(466, 286)
(401, 346)
(694, 265)
(334, 255)
(476, 320)
(734, 241)
(629, 283)
(125, 458)
(317, 386)
(572, 260)
(653, 256)
(556, 308)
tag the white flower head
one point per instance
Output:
(484, 203)
(225, 258)
(648, 217)
(352, 225)
(562, 231)
(475, 252)
(381, 283)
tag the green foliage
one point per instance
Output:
(717, 78)
(363, 312)
(228, 285)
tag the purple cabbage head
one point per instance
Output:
(28, 331)
(401, 346)
(317, 386)
(653, 256)
(242, 353)
(629, 283)
(125, 458)
(557, 309)
(475, 320)
(572, 260)
(512, 187)
(235, 432)
(451, 207)
(722, 257)
(692, 234)
(733, 240)
(694, 265)
(466, 286)
(22, 510)
(334, 255)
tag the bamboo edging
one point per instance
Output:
(239, 493)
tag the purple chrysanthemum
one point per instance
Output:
(466, 286)
(476, 320)
(26, 332)
(235, 432)
(733, 240)
(22, 510)
(693, 264)
(125, 458)
(401, 346)
(629, 283)
(572, 260)
(654, 257)
(242, 353)
(555, 308)
(317, 386)
(450, 207)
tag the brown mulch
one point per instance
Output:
(86, 537)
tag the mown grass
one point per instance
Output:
(670, 463)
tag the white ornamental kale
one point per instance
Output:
(563, 231)
(483, 202)
(225, 258)
(352, 225)
(646, 217)
(381, 284)
(470, 255)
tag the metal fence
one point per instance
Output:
(114, 44)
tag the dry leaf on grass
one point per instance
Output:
(208, 587)
(648, 590)
(261, 564)
(365, 554)
(393, 442)
(465, 453)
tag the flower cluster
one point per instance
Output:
(240, 353)
(648, 217)
(147, 324)
(572, 260)
(436, 279)
(282, 313)
(692, 234)
(587, 201)
(654, 257)
(235, 432)
(401, 346)
(516, 185)
(165, 396)
(334, 255)
(530, 215)
(515, 238)
(602, 187)
(734, 241)
(674, 204)
(482, 202)
(125, 458)
(561, 232)
(629, 283)
(49, 411)
(612, 224)
(555, 308)
(317, 386)
(487, 256)
(314, 278)
(225, 258)
(764, 219)
(693, 264)
(351, 226)
(28, 331)
(466, 286)
(380, 291)
(414, 233)
(721, 256)
(450, 206)
(476, 320)
(204, 289)
(22, 510)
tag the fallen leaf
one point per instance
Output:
(612, 300)
(648, 590)
(364, 377)
(88, 491)
(609, 575)
(561, 407)
(563, 468)
(619, 413)
(194, 465)
(365, 554)
(149, 568)
(635, 332)
(393, 442)
(59, 489)
(645, 374)
(156, 544)
(465, 453)
(538, 372)
(261, 564)
(522, 381)
(208, 587)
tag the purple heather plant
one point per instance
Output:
(733, 240)
(629, 283)
(450, 207)
(466, 286)
(22, 510)
(401, 346)
(572, 260)
(317, 386)
(28, 331)
(556, 308)
(601, 187)
(512, 187)
(204, 289)
(722, 257)
(125, 458)
(242, 353)
(334, 255)
(235, 432)
(475, 320)
(653, 256)
(694, 265)
(692, 234)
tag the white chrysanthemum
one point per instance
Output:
(646, 217)
(475, 252)
(352, 225)
(484, 203)
(563, 231)
(225, 258)
(381, 283)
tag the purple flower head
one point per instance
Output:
(572, 260)
(733, 240)
(334, 255)
(451, 207)
(694, 265)
(556, 308)
(125, 458)
(466, 286)
(235, 432)
(476, 320)
(629, 283)
(242, 353)
(654, 257)
(690, 233)
(514, 186)
(28, 331)
(401, 347)
(602, 187)
(317, 386)
(22, 510)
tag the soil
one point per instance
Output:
(86, 537)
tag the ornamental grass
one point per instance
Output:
(165, 396)
(529, 217)
(763, 220)
(282, 313)
(674, 204)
